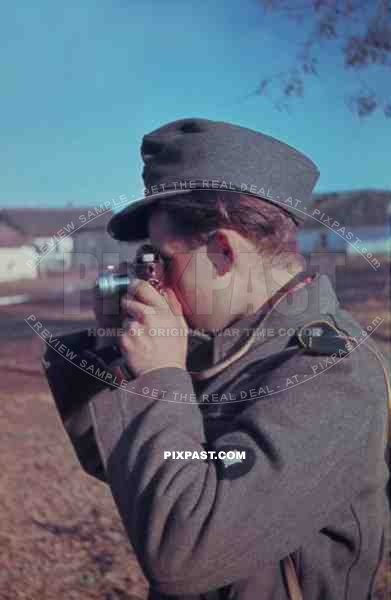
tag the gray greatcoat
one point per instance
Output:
(312, 484)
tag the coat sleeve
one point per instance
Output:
(72, 389)
(197, 525)
(80, 431)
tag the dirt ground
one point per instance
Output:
(60, 534)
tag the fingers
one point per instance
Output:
(143, 291)
(143, 299)
(172, 301)
(136, 310)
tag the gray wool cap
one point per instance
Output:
(200, 154)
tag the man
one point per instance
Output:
(245, 444)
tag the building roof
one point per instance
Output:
(357, 208)
(353, 208)
(42, 222)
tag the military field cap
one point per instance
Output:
(198, 154)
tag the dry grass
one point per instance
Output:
(61, 536)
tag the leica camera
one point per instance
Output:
(148, 265)
(112, 283)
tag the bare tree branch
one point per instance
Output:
(361, 28)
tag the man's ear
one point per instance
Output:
(220, 251)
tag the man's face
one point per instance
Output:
(221, 280)
(191, 274)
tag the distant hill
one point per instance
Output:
(356, 208)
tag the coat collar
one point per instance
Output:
(280, 313)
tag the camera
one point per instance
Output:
(112, 283)
(148, 265)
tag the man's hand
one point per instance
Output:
(148, 310)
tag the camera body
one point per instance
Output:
(112, 283)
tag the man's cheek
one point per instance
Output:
(182, 280)
(193, 299)
(183, 295)
(187, 300)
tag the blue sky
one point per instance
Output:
(83, 82)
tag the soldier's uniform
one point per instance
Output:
(309, 409)
(305, 513)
